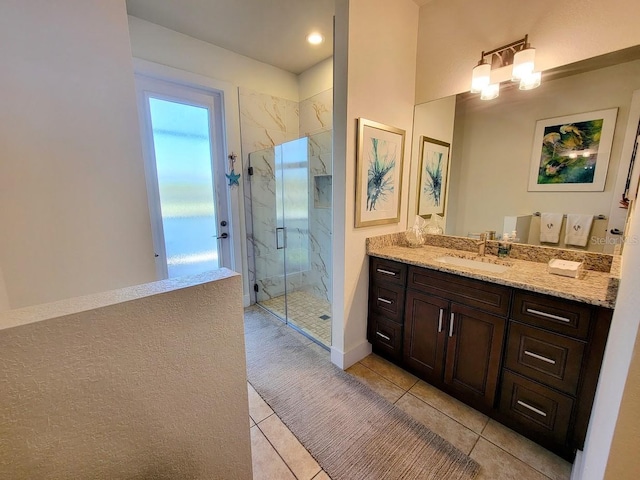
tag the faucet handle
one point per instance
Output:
(483, 237)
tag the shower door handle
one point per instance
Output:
(280, 233)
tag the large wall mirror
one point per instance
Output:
(492, 142)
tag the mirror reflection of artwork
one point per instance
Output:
(434, 163)
(379, 173)
(571, 153)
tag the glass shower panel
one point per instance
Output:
(266, 206)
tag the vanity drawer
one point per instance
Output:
(558, 315)
(536, 408)
(386, 337)
(388, 271)
(387, 299)
(549, 358)
(485, 296)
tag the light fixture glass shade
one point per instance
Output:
(523, 63)
(531, 81)
(480, 77)
(490, 92)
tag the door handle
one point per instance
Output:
(224, 235)
(451, 319)
(280, 230)
(440, 321)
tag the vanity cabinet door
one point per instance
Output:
(425, 335)
(474, 351)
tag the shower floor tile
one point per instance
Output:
(306, 311)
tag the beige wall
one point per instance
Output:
(73, 206)
(142, 382)
(624, 461)
(4, 298)
(453, 33)
(316, 79)
(493, 144)
(375, 76)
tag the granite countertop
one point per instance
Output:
(592, 287)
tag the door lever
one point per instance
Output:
(224, 235)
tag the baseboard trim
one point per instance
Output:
(344, 360)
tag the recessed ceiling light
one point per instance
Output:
(315, 38)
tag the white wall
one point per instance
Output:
(142, 382)
(376, 79)
(494, 141)
(73, 205)
(316, 79)
(453, 33)
(161, 45)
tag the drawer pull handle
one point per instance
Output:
(548, 315)
(540, 357)
(384, 300)
(386, 272)
(533, 409)
(388, 339)
(451, 325)
(440, 321)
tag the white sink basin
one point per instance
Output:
(475, 264)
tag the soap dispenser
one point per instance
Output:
(504, 246)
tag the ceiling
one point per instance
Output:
(272, 32)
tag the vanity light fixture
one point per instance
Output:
(315, 38)
(519, 55)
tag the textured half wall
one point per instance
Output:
(143, 382)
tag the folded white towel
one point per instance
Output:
(578, 228)
(550, 224)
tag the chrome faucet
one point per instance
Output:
(482, 244)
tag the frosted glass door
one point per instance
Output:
(185, 167)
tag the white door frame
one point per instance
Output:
(231, 144)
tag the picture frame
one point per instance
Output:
(379, 159)
(432, 176)
(571, 153)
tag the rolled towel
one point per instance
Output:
(578, 228)
(550, 224)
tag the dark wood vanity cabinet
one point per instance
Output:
(451, 345)
(530, 361)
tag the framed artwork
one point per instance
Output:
(379, 156)
(571, 153)
(432, 177)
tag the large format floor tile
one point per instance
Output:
(266, 463)
(448, 405)
(388, 370)
(496, 464)
(524, 449)
(456, 434)
(376, 382)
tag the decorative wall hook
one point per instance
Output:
(232, 176)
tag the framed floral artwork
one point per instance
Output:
(571, 153)
(432, 177)
(379, 156)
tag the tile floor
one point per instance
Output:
(306, 311)
(501, 453)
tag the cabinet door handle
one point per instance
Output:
(384, 300)
(440, 321)
(451, 324)
(540, 357)
(383, 336)
(533, 409)
(548, 315)
(386, 272)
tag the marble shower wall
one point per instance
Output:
(267, 121)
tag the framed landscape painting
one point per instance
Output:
(379, 156)
(432, 178)
(571, 153)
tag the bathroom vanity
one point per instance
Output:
(522, 346)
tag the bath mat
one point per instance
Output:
(351, 431)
